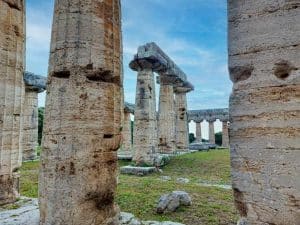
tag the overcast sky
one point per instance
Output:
(192, 32)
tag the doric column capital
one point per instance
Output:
(198, 121)
(34, 82)
(211, 120)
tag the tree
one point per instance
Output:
(41, 123)
(191, 137)
(218, 137)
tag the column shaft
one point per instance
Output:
(182, 129)
(82, 129)
(225, 137)
(30, 125)
(12, 54)
(126, 149)
(211, 127)
(198, 132)
(166, 119)
(264, 51)
(145, 125)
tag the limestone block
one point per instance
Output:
(12, 50)
(264, 52)
(82, 130)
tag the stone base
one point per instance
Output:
(125, 157)
(28, 214)
(139, 171)
(202, 146)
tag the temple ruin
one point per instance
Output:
(12, 64)
(264, 52)
(157, 134)
(82, 130)
(34, 84)
(211, 115)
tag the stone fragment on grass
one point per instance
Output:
(170, 202)
(135, 170)
(183, 180)
(165, 178)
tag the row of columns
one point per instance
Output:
(211, 132)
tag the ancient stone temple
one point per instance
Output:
(12, 61)
(210, 115)
(82, 129)
(149, 59)
(264, 53)
(34, 85)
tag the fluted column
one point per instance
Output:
(182, 126)
(145, 126)
(166, 117)
(198, 131)
(12, 63)
(264, 65)
(225, 137)
(211, 130)
(82, 130)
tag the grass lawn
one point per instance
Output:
(139, 195)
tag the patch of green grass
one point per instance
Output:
(139, 195)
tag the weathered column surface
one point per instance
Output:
(211, 130)
(166, 117)
(264, 52)
(198, 131)
(12, 50)
(34, 85)
(145, 125)
(181, 125)
(126, 148)
(82, 129)
(225, 136)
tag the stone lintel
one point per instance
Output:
(184, 87)
(35, 82)
(129, 107)
(152, 55)
(208, 115)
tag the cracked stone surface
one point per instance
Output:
(82, 130)
(12, 91)
(264, 51)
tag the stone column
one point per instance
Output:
(198, 131)
(82, 130)
(166, 117)
(12, 63)
(182, 126)
(145, 127)
(30, 121)
(126, 149)
(34, 84)
(225, 137)
(211, 130)
(264, 65)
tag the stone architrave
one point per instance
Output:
(166, 117)
(225, 136)
(34, 85)
(12, 63)
(198, 131)
(182, 126)
(82, 130)
(145, 125)
(264, 65)
(211, 130)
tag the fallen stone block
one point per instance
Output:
(139, 171)
(170, 202)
